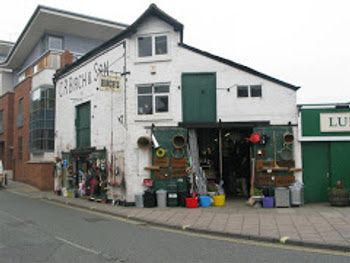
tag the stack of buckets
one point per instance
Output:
(205, 201)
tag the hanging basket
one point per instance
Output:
(179, 142)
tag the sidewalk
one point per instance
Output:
(315, 225)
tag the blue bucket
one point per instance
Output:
(205, 201)
(268, 202)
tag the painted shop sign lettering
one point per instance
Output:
(335, 122)
(77, 82)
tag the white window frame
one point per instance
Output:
(154, 57)
(249, 91)
(154, 95)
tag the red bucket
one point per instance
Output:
(148, 182)
(191, 202)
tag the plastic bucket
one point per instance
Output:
(205, 201)
(268, 202)
(219, 200)
(161, 198)
(191, 202)
(139, 200)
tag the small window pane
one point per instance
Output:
(144, 105)
(55, 43)
(255, 91)
(242, 91)
(162, 104)
(161, 45)
(144, 90)
(161, 89)
(145, 46)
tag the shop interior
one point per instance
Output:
(224, 156)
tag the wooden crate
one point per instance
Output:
(162, 174)
(284, 180)
(178, 172)
(264, 180)
(178, 162)
(161, 162)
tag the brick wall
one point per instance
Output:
(22, 90)
(40, 175)
(6, 137)
(66, 58)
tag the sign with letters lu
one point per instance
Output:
(335, 122)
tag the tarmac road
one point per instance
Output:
(32, 230)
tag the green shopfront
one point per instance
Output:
(325, 140)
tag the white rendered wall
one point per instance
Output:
(277, 104)
(106, 106)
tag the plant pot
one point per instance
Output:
(339, 199)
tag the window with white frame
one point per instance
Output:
(153, 98)
(149, 46)
(245, 91)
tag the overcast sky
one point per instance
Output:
(303, 42)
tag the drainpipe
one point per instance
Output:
(220, 151)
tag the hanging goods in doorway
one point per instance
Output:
(288, 138)
(179, 142)
(286, 153)
(255, 138)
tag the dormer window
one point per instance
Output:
(149, 46)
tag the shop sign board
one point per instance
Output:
(335, 122)
(112, 83)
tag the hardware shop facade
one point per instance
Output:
(146, 81)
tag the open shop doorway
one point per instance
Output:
(225, 158)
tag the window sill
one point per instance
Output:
(153, 118)
(152, 59)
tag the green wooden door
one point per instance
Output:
(199, 97)
(82, 125)
(316, 173)
(340, 163)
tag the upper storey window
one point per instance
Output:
(149, 46)
(55, 42)
(145, 46)
(245, 91)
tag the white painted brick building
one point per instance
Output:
(119, 111)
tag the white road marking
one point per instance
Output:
(77, 245)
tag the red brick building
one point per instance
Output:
(27, 99)
(6, 133)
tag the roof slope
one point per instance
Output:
(152, 10)
(239, 66)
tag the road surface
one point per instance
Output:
(34, 230)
